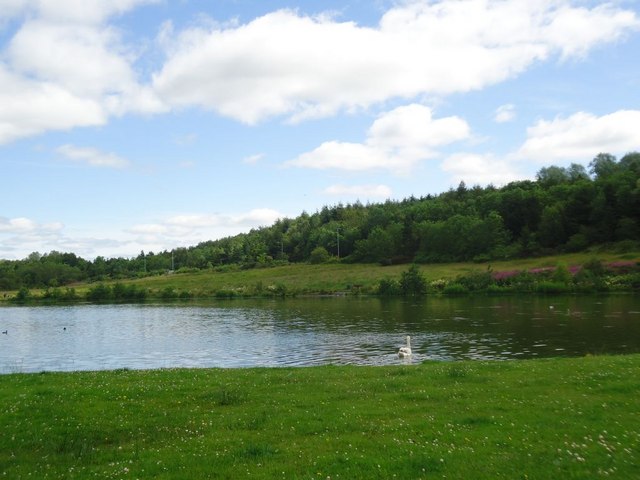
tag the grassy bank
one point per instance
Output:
(302, 279)
(542, 419)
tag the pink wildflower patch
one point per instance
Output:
(505, 274)
(622, 266)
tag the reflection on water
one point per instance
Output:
(304, 332)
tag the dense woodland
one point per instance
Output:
(563, 210)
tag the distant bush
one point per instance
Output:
(99, 293)
(184, 295)
(278, 290)
(57, 295)
(388, 287)
(168, 293)
(475, 281)
(22, 295)
(128, 292)
(562, 275)
(119, 292)
(225, 294)
(547, 286)
(412, 282)
(188, 270)
(319, 255)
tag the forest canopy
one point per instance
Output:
(566, 209)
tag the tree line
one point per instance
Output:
(565, 209)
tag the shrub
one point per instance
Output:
(388, 287)
(577, 243)
(23, 295)
(280, 290)
(412, 282)
(319, 255)
(476, 281)
(562, 274)
(547, 286)
(225, 293)
(168, 293)
(595, 267)
(57, 295)
(99, 293)
(128, 292)
(184, 295)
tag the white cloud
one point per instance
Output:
(76, 57)
(253, 218)
(85, 59)
(475, 169)
(71, 68)
(92, 156)
(79, 11)
(65, 68)
(349, 156)
(253, 159)
(84, 11)
(582, 136)
(396, 141)
(505, 113)
(190, 229)
(359, 191)
(32, 107)
(21, 236)
(287, 64)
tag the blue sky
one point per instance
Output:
(129, 125)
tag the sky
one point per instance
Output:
(148, 125)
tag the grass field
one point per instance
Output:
(542, 419)
(331, 278)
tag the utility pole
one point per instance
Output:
(338, 239)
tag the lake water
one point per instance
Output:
(314, 331)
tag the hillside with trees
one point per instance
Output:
(564, 210)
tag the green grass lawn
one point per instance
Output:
(541, 419)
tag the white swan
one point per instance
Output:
(405, 351)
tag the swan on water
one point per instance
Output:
(405, 351)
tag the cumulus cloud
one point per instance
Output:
(480, 169)
(285, 63)
(396, 141)
(505, 113)
(23, 225)
(359, 191)
(84, 11)
(65, 67)
(92, 156)
(31, 107)
(581, 136)
(20, 236)
(190, 229)
(77, 66)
